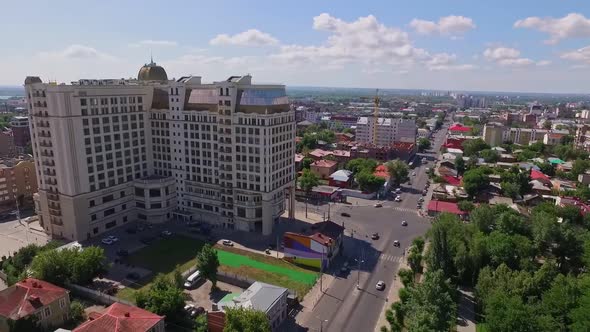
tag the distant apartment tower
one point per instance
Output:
(18, 183)
(389, 131)
(152, 149)
(20, 132)
(496, 134)
(7, 148)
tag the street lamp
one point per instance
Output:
(322, 321)
(358, 274)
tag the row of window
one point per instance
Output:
(112, 100)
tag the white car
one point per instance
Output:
(398, 199)
(378, 205)
(107, 241)
(166, 233)
(113, 238)
(380, 285)
(413, 173)
(227, 243)
(404, 223)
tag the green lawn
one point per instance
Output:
(481, 327)
(166, 254)
(162, 257)
(267, 269)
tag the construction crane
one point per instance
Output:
(375, 116)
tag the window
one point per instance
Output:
(83, 102)
(62, 303)
(47, 312)
(109, 212)
(91, 203)
(107, 199)
(139, 192)
(95, 230)
(93, 217)
(111, 224)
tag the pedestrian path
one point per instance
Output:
(390, 258)
(401, 209)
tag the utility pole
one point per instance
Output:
(358, 275)
(18, 217)
(322, 271)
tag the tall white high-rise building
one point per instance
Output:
(112, 151)
(389, 131)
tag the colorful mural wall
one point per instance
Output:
(303, 250)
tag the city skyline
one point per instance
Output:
(530, 47)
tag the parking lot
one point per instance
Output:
(15, 235)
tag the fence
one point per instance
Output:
(94, 295)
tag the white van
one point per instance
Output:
(192, 279)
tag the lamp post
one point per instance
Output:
(322, 321)
(358, 275)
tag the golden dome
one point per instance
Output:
(152, 72)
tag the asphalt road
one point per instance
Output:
(346, 308)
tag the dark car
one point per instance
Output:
(122, 253)
(375, 236)
(345, 214)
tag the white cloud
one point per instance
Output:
(543, 63)
(77, 51)
(573, 25)
(452, 26)
(580, 55)
(506, 56)
(250, 37)
(156, 43)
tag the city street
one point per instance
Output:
(15, 235)
(343, 307)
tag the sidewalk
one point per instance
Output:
(311, 218)
(392, 296)
(312, 298)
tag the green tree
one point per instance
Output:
(460, 165)
(77, 314)
(242, 319)
(472, 147)
(361, 164)
(475, 180)
(162, 298)
(307, 181)
(547, 168)
(510, 189)
(580, 166)
(483, 217)
(369, 182)
(504, 313)
(423, 144)
(440, 256)
(466, 206)
(547, 124)
(406, 276)
(306, 163)
(489, 156)
(208, 263)
(201, 323)
(545, 230)
(398, 171)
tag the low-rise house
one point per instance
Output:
(539, 187)
(119, 317)
(298, 161)
(565, 167)
(445, 171)
(555, 161)
(317, 247)
(455, 152)
(48, 303)
(319, 154)
(584, 178)
(563, 185)
(323, 168)
(459, 129)
(573, 201)
(436, 207)
(342, 179)
(270, 299)
(321, 194)
(541, 177)
(506, 157)
(553, 138)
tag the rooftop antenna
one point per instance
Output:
(151, 58)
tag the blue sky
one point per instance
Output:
(496, 45)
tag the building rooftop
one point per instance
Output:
(259, 296)
(324, 163)
(341, 175)
(27, 296)
(119, 317)
(441, 206)
(459, 127)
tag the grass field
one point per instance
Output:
(163, 257)
(266, 269)
(168, 253)
(481, 327)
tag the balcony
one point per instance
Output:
(43, 124)
(56, 213)
(52, 182)
(49, 173)
(57, 221)
(53, 197)
(46, 144)
(47, 154)
(48, 163)
(44, 134)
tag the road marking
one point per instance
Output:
(390, 258)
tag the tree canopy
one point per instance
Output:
(423, 144)
(242, 319)
(208, 263)
(474, 146)
(474, 180)
(361, 164)
(308, 180)
(69, 265)
(398, 171)
(163, 297)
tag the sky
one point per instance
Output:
(473, 45)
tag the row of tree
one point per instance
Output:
(74, 265)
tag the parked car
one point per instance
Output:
(378, 205)
(122, 253)
(227, 243)
(380, 285)
(345, 214)
(113, 238)
(107, 241)
(192, 279)
(166, 233)
(375, 236)
(398, 198)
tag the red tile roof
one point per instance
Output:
(441, 206)
(319, 153)
(538, 175)
(25, 297)
(382, 172)
(120, 317)
(452, 180)
(459, 127)
(325, 163)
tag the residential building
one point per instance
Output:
(493, 134)
(18, 183)
(119, 317)
(316, 249)
(7, 148)
(270, 299)
(113, 151)
(49, 304)
(389, 131)
(553, 138)
(459, 130)
(435, 207)
(341, 179)
(523, 136)
(20, 132)
(343, 121)
(323, 168)
(424, 133)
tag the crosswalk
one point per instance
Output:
(401, 209)
(390, 258)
